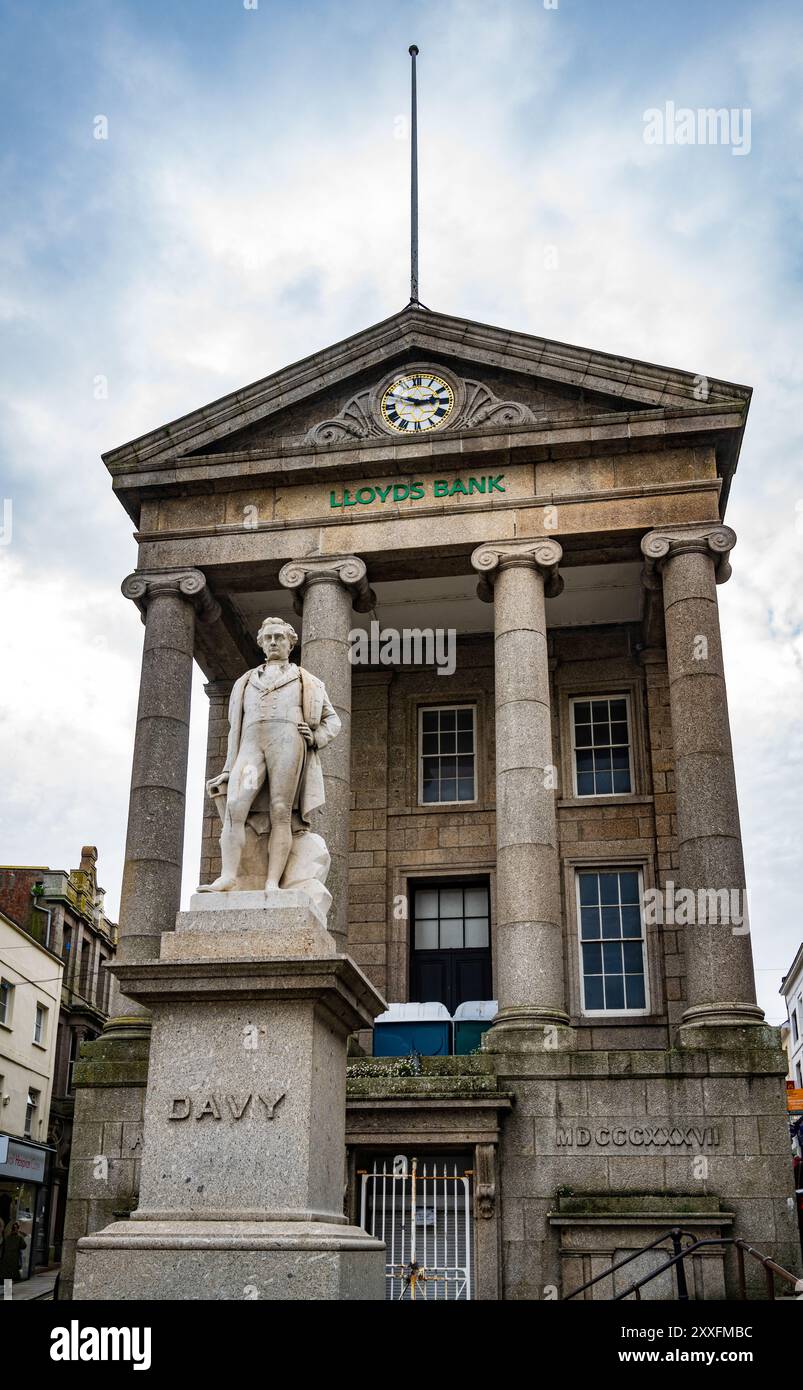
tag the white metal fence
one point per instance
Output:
(423, 1213)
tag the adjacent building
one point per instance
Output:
(63, 913)
(30, 992)
(532, 799)
(792, 992)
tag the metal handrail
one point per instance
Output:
(674, 1235)
(742, 1249)
(771, 1267)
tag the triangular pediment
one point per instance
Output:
(506, 381)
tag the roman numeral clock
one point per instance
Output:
(415, 401)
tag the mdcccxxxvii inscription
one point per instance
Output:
(646, 1136)
(209, 1105)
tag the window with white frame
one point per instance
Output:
(31, 1113)
(40, 1025)
(795, 1032)
(447, 756)
(612, 955)
(601, 745)
(6, 1000)
(799, 1074)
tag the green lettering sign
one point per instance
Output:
(415, 492)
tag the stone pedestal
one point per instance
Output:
(242, 1183)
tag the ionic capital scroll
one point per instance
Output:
(191, 585)
(698, 538)
(348, 570)
(542, 554)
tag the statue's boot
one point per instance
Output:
(220, 885)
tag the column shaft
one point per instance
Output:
(217, 737)
(326, 624)
(720, 980)
(151, 888)
(331, 586)
(529, 933)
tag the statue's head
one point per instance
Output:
(277, 639)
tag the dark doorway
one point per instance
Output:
(451, 942)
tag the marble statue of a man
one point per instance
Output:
(279, 717)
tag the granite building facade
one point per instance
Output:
(541, 811)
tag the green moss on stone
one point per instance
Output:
(627, 1203)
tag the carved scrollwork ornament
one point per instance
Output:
(485, 1164)
(355, 421)
(482, 407)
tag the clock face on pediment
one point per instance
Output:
(416, 401)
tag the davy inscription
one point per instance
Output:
(211, 1106)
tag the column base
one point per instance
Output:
(231, 1260)
(127, 1026)
(753, 1038)
(723, 1025)
(522, 1029)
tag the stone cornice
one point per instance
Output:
(542, 554)
(348, 570)
(635, 429)
(698, 538)
(189, 584)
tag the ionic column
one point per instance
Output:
(151, 890)
(217, 737)
(516, 577)
(326, 589)
(691, 561)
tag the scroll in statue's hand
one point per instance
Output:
(217, 785)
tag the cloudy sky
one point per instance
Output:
(249, 206)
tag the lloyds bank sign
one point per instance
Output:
(414, 492)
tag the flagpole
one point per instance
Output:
(413, 51)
